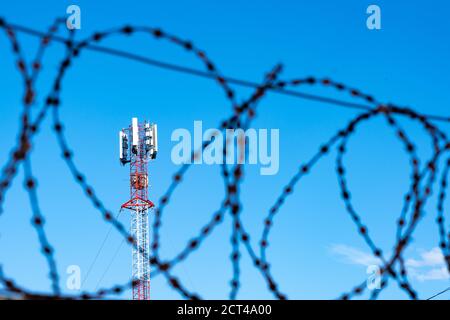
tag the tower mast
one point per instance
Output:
(144, 147)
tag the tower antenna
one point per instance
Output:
(144, 147)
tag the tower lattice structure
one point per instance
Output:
(143, 149)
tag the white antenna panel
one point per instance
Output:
(135, 128)
(155, 137)
(121, 144)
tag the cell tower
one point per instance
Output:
(144, 147)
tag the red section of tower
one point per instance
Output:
(143, 149)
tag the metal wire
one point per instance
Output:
(423, 173)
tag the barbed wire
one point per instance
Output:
(422, 180)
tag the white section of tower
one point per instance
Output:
(141, 265)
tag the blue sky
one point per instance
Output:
(314, 248)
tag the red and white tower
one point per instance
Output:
(143, 138)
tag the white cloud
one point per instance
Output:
(432, 274)
(431, 258)
(354, 256)
(430, 266)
